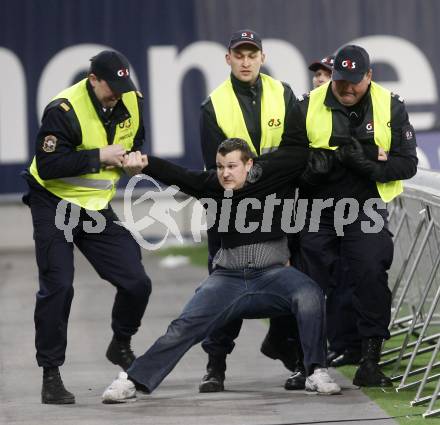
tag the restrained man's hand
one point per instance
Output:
(134, 163)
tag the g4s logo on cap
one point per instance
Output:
(347, 63)
(247, 35)
(124, 72)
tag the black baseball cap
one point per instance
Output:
(245, 37)
(351, 64)
(113, 67)
(326, 63)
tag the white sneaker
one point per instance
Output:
(321, 382)
(121, 390)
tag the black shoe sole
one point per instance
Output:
(210, 387)
(371, 385)
(296, 382)
(60, 401)
(295, 387)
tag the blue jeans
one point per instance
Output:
(231, 294)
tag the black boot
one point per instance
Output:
(296, 381)
(53, 391)
(368, 373)
(349, 356)
(331, 355)
(120, 353)
(213, 381)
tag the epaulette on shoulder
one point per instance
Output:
(303, 97)
(139, 94)
(397, 97)
(62, 104)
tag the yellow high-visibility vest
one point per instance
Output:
(95, 190)
(230, 117)
(319, 128)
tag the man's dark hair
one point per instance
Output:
(236, 144)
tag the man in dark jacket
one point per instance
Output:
(250, 277)
(362, 146)
(85, 132)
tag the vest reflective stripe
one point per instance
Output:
(95, 190)
(319, 128)
(230, 117)
(267, 150)
(95, 184)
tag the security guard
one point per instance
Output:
(249, 105)
(344, 345)
(322, 71)
(86, 131)
(362, 147)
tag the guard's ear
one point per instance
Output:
(370, 75)
(93, 79)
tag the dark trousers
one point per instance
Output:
(221, 342)
(367, 256)
(113, 253)
(230, 294)
(342, 331)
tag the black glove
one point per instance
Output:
(352, 156)
(319, 164)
